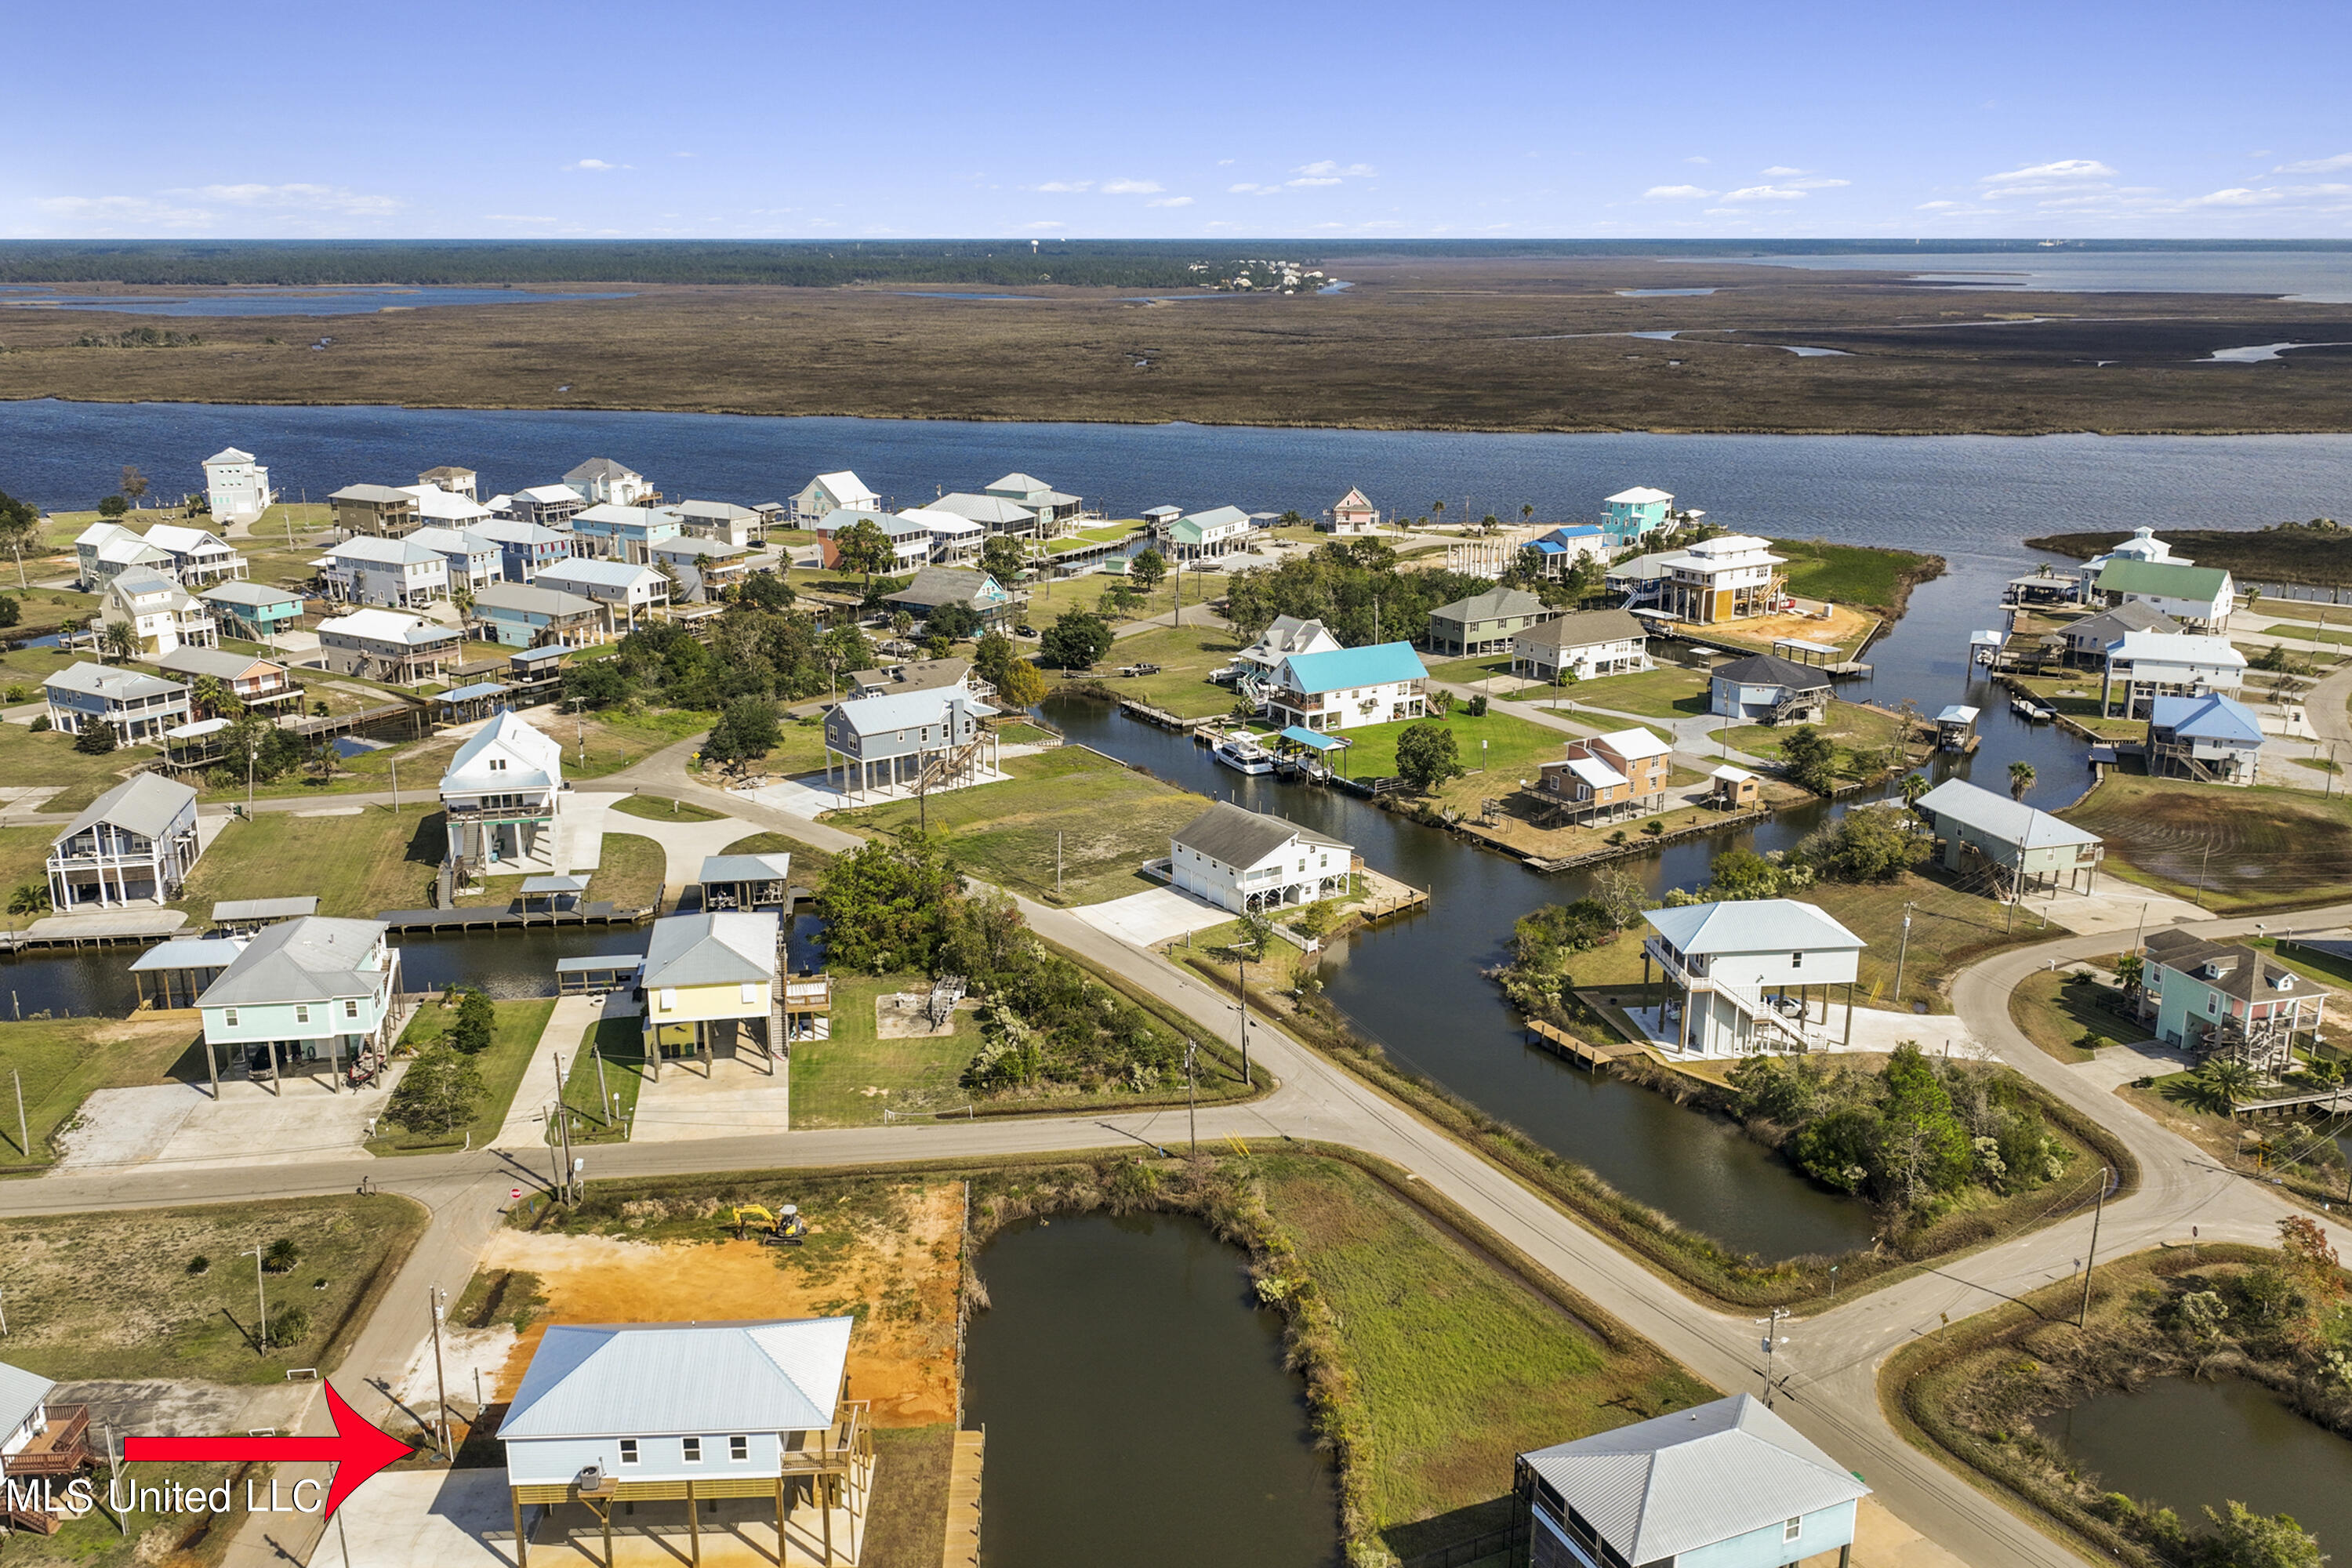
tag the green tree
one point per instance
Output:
(1021, 688)
(29, 899)
(885, 905)
(766, 590)
(1914, 786)
(599, 683)
(1002, 558)
(11, 612)
(437, 1093)
(953, 622)
(746, 731)
(902, 621)
(281, 1255)
(1149, 568)
(1922, 1148)
(847, 649)
(97, 738)
(863, 547)
(2241, 1537)
(1742, 874)
(1076, 640)
(213, 695)
(20, 522)
(993, 656)
(1810, 758)
(1427, 755)
(2021, 779)
(120, 641)
(476, 1019)
(112, 506)
(1867, 844)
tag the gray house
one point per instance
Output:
(885, 742)
(387, 645)
(1485, 623)
(133, 845)
(140, 707)
(1764, 688)
(1727, 1485)
(2088, 639)
(2020, 849)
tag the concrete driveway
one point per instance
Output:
(1153, 916)
(181, 1124)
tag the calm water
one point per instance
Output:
(1136, 1408)
(355, 299)
(2319, 275)
(2190, 1445)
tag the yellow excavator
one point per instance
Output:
(784, 1228)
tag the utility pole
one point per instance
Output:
(261, 1335)
(1192, 1122)
(603, 1098)
(2083, 1317)
(395, 785)
(1240, 967)
(1901, 953)
(557, 1058)
(23, 1137)
(2198, 900)
(555, 1158)
(437, 1297)
(1057, 862)
(1771, 1338)
(563, 1127)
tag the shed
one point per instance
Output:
(597, 972)
(1956, 728)
(1735, 789)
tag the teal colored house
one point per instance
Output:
(1626, 516)
(311, 993)
(2224, 999)
(254, 611)
(1727, 1485)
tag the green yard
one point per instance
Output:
(662, 810)
(1669, 691)
(1849, 725)
(2075, 695)
(2061, 1011)
(49, 758)
(850, 1079)
(1508, 749)
(1101, 820)
(24, 863)
(613, 1082)
(2231, 850)
(369, 860)
(60, 1062)
(513, 1040)
(808, 861)
(1867, 576)
(1185, 656)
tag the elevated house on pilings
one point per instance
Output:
(43, 1446)
(749, 1425)
(1738, 978)
(706, 976)
(2221, 999)
(2019, 849)
(500, 800)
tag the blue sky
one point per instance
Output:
(1083, 121)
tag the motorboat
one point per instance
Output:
(1239, 750)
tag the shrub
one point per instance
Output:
(281, 1256)
(199, 1263)
(470, 1031)
(96, 739)
(39, 724)
(288, 1327)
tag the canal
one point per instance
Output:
(1137, 1406)
(2188, 1445)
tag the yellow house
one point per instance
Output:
(705, 976)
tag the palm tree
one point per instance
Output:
(2021, 779)
(119, 640)
(1914, 786)
(1528, 512)
(2221, 1081)
(1436, 513)
(213, 695)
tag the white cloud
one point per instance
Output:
(2236, 196)
(2314, 165)
(1695, 158)
(1065, 187)
(309, 199)
(124, 209)
(1676, 193)
(1130, 187)
(517, 217)
(1326, 166)
(1044, 225)
(595, 166)
(1170, 202)
(2038, 174)
(1779, 172)
(1764, 193)
(1817, 182)
(1934, 207)
(1246, 189)
(1224, 163)
(1314, 180)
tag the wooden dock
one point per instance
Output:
(1561, 1043)
(1160, 716)
(489, 920)
(962, 1546)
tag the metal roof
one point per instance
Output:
(1998, 817)
(391, 551)
(21, 1394)
(311, 959)
(744, 868)
(1680, 1482)
(513, 530)
(982, 508)
(243, 593)
(1595, 772)
(603, 469)
(2175, 647)
(527, 598)
(186, 953)
(1640, 495)
(389, 626)
(265, 908)
(1492, 604)
(595, 1380)
(598, 573)
(1339, 669)
(1233, 836)
(1310, 737)
(374, 495)
(908, 710)
(197, 731)
(104, 680)
(476, 693)
(2210, 718)
(184, 661)
(599, 961)
(146, 806)
(508, 735)
(1635, 743)
(1958, 713)
(536, 655)
(532, 887)
(2170, 579)
(1752, 925)
(719, 947)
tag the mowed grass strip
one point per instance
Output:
(1669, 692)
(2058, 1011)
(1847, 724)
(1460, 1366)
(372, 860)
(514, 1039)
(1106, 818)
(60, 1062)
(1185, 656)
(613, 1082)
(49, 758)
(2229, 849)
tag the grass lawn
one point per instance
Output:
(61, 1062)
(1514, 748)
(1458, 1364)
(663, 810)
(1667, 692)
(614, 739)
(24, 860)
(808, 861)
(1860, 575)
(2257, 849)
(358, 865)
(1848, 725)
(363, 773)
(2056, 1011)
(621, 1042)
(1110, 820)
(49, 758)
(118, 1295)
(1047, 600)
(908, 1518)
(2083, 706)
(850, 1079)
(1470, 671)
(1185, 656)
(512, 1041)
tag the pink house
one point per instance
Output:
(1355, 513)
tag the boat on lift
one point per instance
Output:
(1239, 750)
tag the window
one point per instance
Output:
(1790, 1531)
(629, 1450)
(350, 1007)
(230, 1018)
(301, 1013)
(693, 1451)
(668, 999)
(751, 992)
(1796, 960)
(738, 1447)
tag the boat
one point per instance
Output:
(1239, 750)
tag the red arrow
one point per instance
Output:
(358, 1450)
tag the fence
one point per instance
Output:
(1503, 1546)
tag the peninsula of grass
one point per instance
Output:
(2072, 1014)
(2075, 696)
(1867, 576)
(60, 1062)
(514, 1041)
(1851, 727)
(662, 810)
(808, 861)
(1185, 656)
(161, 1294)
(2231, 851)
(1094, 817)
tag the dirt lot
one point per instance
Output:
(2245, 849)
(891, 1252)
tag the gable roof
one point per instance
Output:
(603, 469)
(2001, 818)
(146, 806)
(1769, 669)
(1339, 668)
(1676, 1483)
(374, 495)
(896, 525)
(2135, 615)
(1354, 500)
(1289, 634)
(1582, 629)
(620, 515)
(2245, 973)
(2171, 579)
(744, 868)
(21, 1394)
(389, 626)
(513, 530)
(549, 495)
(187, 661)
(228, 454)
(715, 511)
(1640, 495)
(256, 593)
(1635, 743)
(182, 541)
(1492, 604)
(2175, 647)
(448, 505)
(1752, 925)
(105, 680)
(908, 710)
(843, 484)
(595, 1380)
(598, 573)
(982, 508)
(1234, 835)
(2212, 717)
(387, 552)
(144, 585)
(713, 947)
(508, 735)
(1217, 517)
(312, 958)
(455, 541)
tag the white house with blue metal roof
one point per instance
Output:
(1748, 972)
(1725, 1485)
(2211, 739)
(1348, 687)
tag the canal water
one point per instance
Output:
(1137, 1406)
(2188, 1445)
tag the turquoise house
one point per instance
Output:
(2224, 999)
(1727, 1485)
(254, 611)
(307, 995)
(1626, 516)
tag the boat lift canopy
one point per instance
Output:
(1312, 739)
